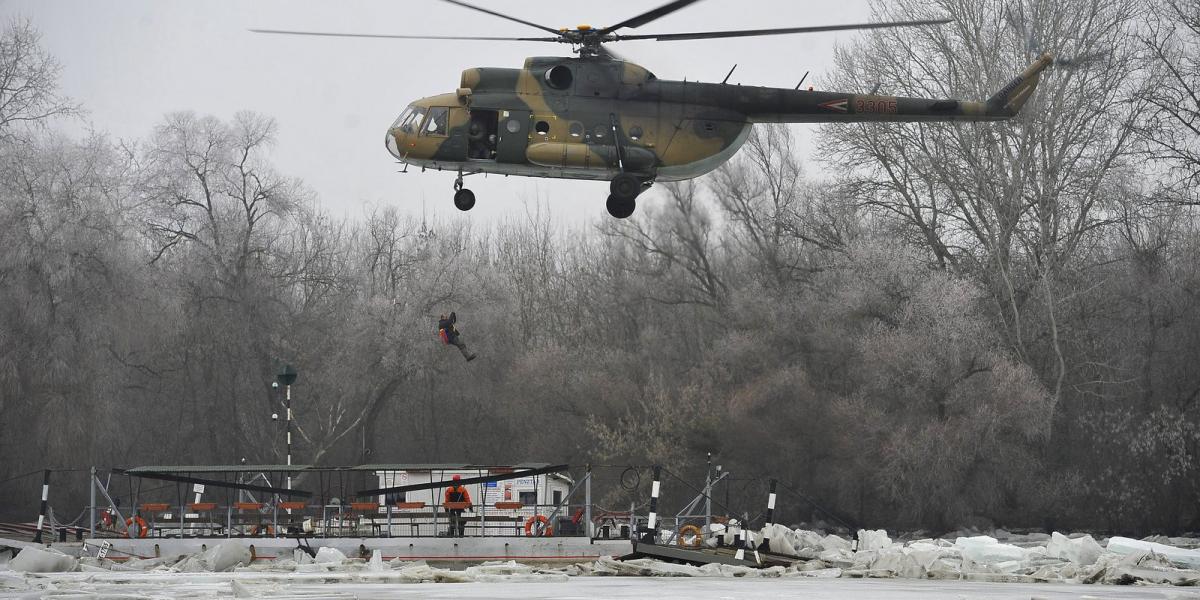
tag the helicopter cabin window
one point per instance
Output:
(542, 127)
(636, 133)
(436, 123)
(412, 122)
(576, 129)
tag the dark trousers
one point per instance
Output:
(457, 342)
(458, 525)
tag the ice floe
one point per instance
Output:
(1001, 557)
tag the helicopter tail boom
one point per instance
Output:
(773, 105)
(1009, 100)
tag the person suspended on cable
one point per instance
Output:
(449, 335)
(457, 493)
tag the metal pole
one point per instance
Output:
(651, 535)
(632, 521)
(587, 502)
(92, 503)
(433, 503)
(765, 546)
(708, 496)
(289, 434)
(37, 538)
(181, 495)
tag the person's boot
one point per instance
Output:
(471, 357)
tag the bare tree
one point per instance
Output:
(1172, 126)
(1013, 200)
(28, 80)
(678, 239)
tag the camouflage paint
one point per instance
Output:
(666, 130)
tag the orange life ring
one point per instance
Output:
(138, 522)
(693, 531)
(546, 530)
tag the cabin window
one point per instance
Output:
(576, 129)
(636, 133)
(412, 122)
(513, 126)
(528, 498)
(599, 131)
(542, 127)
(436, 123)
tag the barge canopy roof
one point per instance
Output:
(296, 468)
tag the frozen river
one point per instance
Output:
(215, 585)
(719, 589)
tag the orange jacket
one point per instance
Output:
(453, 494)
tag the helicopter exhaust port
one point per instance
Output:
(559, 77)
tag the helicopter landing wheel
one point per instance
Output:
(625, 186)
(620, 208)
(464, 199)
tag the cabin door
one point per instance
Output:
(513, 129)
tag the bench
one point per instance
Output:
(203, 519)
(250, 514)
(154, 510)
(414, 528)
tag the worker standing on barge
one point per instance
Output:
(457, 493)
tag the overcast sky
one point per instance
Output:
(132, 61)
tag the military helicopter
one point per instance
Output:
(603, 118)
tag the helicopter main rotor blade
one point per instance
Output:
(648, 16)
(502, 16)
(707, 35)
(406, 37)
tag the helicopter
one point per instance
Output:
(599, 117)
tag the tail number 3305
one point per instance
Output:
(881, 106)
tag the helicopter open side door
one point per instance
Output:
(513, 133)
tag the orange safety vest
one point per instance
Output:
(457, 493)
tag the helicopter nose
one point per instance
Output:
(390, 141)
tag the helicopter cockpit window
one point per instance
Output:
(410, 120)
(436, 123)
(400, 119)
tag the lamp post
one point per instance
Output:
(287, 376)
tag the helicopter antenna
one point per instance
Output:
(802, 80)
(729, 73)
